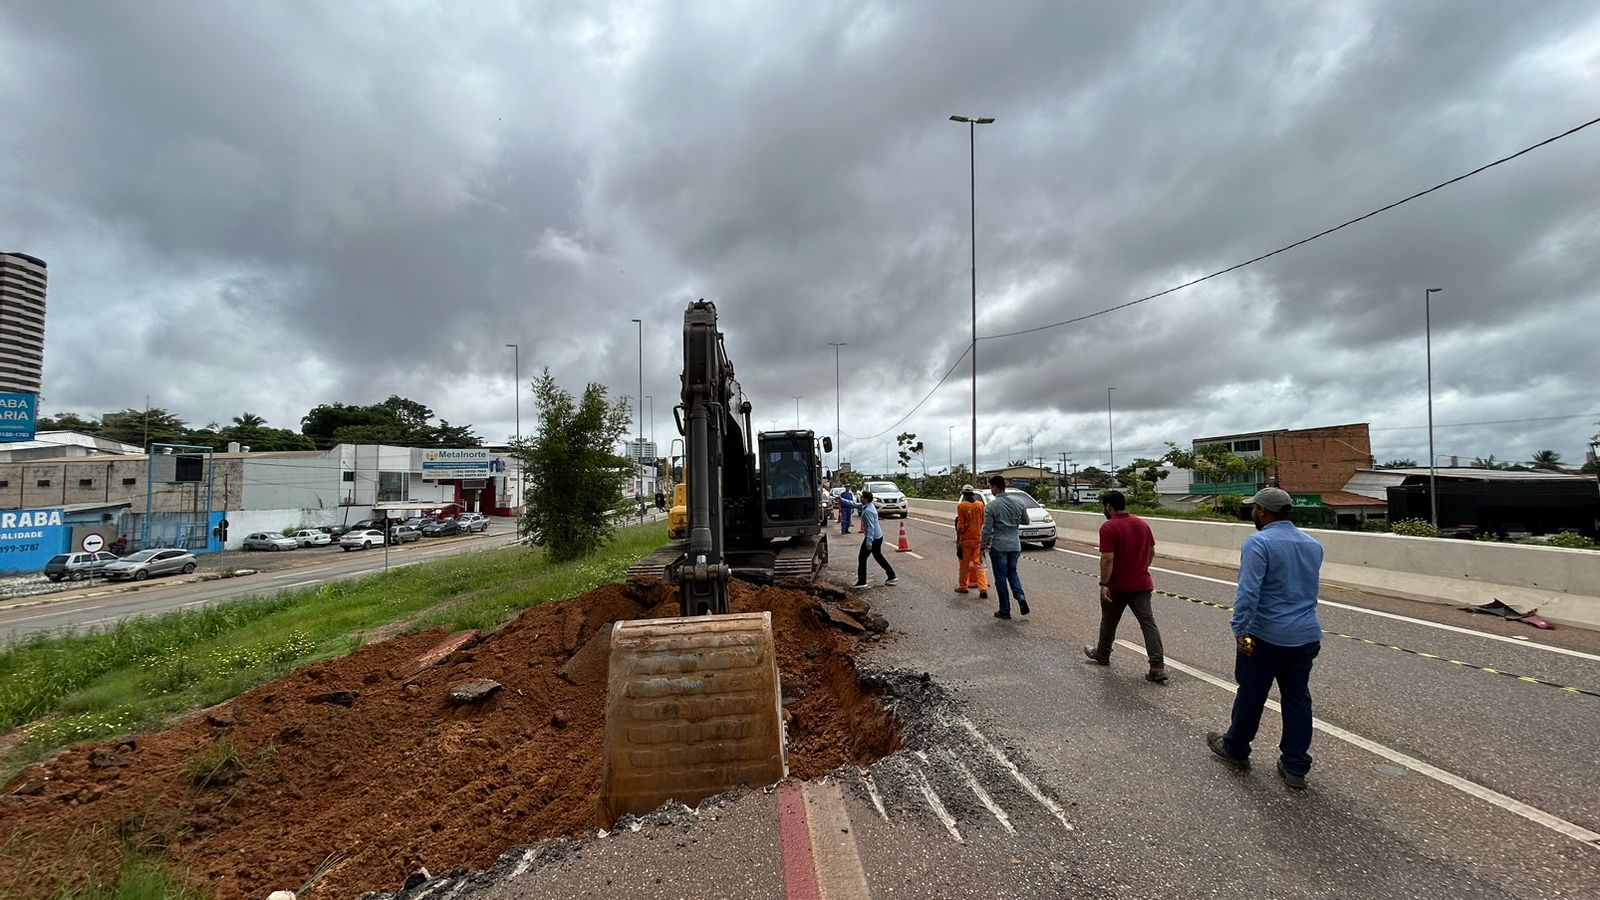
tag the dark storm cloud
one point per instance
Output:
(301, 203)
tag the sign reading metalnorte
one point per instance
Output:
(16, 416)
(443, 465)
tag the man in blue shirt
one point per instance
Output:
(846, 500)
(871, 539)
(1002, 543)
(1276, 631)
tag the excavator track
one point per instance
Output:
(655, 567)
(801, 559)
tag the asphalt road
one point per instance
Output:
(1043, 776)
(102, 604)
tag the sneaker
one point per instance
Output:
(1095, 657)
(962, 591)
(1157, 674)
(1295, 782)
(891, 580)
(1214, 741)
(983, 595)
(858, 585)
(1022, 606)
(1001, 615)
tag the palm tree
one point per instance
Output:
(1399, 464)
(248, 420)
(1549, 460)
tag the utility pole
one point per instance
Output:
(972, 123)
(638, 415)
(1111, 435)
(796, 413)
(1433, 482)
(516, 383)
(838, 435)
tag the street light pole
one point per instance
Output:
(838, 435)
(1111, 435)
(972, 123)
(796, 413)
(638, 414)
(516, 380)
(950, 448)
(1427, 328)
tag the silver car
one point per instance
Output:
(141, 565)
(1041, 527)
(266, 540)
(471, 522)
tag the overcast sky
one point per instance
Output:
(264, 206)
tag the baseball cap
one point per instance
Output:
(966, 489)
(1272, 499)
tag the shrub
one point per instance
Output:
(1571, 541)
(1415, 528)
(1230, 504)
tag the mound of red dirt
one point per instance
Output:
(368, 758)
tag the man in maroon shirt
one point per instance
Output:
(1126, 549)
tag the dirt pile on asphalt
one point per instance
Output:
(367, 758)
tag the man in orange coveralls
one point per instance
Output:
(969, 537)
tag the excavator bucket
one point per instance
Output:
(693, 708)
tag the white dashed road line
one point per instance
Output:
(1449, 779)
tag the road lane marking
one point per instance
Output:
(302, 583)
(50, 614)
(913, 554)
(1519, 640)
(872, 792)
(935, 804)
(983, 795)
(1449, 779)
(1005, 761)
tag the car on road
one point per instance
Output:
(888, 498)
(441, 528)
(364, 539)
(471, 522)
(157, 561)
(77, 566)
(405, 534)
(266, 540)
(1041, 527)
(312, 537)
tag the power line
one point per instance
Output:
(1490, 422)
(1233, 268)
(1287, 247)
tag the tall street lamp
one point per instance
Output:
(651, 399)
(1427, 328)
(972, 123)
(838, 435)
(1111, 435)
(796, 412)
(516, 383)
(638, 411)
(950, 448)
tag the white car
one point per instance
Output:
(364, 539)
(889, 500)
(310, 537)
(1041, 527)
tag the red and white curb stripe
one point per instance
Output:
(820, 857)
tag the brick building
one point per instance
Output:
(1315, 463)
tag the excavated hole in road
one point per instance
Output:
(366, 758)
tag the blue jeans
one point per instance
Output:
(1004, 564)
(1291, 668)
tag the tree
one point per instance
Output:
(248, 420)
(1547, 460)
(575, 477)
(1406, 463)
(68, 421)
(1011, 464)
(1095, 477)
(1140, 479)
(908, 447)
(132, 425)
(1489, 463)
(1218, 464)
(395, 421)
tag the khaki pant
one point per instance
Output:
(971, 567)
(1111, 614)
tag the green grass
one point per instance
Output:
(139, 878)
(135, 674)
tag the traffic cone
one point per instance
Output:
(905, 546)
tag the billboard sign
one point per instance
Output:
(29, 537)
(17, 416)
(449, 465)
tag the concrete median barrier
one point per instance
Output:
(1564, 585)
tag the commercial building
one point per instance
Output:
(54, 444)
(1490, 501)
(161, 501)
(1308, 460)
(22, 290)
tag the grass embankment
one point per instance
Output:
(136, 674)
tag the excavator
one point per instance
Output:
(693, 702)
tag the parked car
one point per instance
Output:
(364, 539)
(77, 566)
(159, 561)
(266, 540)
(311, 537)
(405, 534)
(889, 500)
(1462, 532)
(1041, 527)
(334, 532)
(441, 528)
(471, 522)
